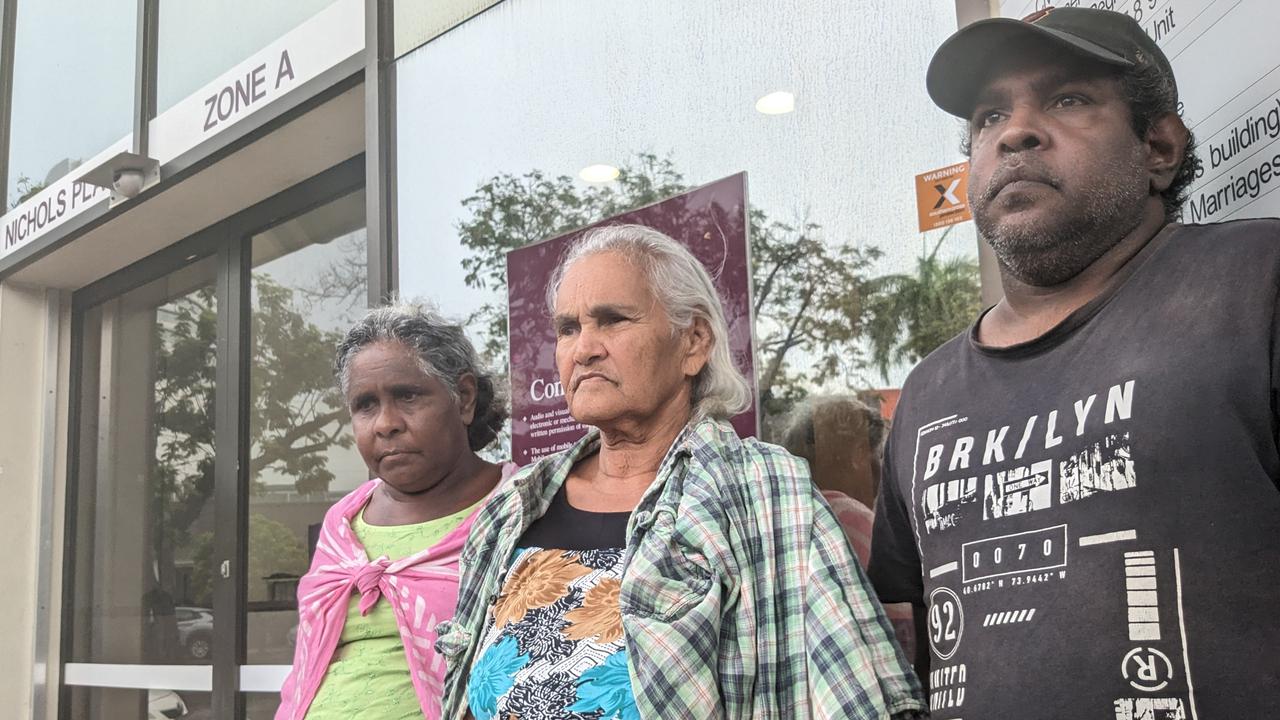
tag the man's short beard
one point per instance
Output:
(1054, 251)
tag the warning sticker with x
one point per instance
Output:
(941, 196)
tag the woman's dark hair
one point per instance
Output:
(443, 351)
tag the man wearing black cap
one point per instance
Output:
(1081, 492)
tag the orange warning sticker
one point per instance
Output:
(941, 198)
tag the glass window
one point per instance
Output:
(308, 286)
(821, 102)
(72, 87)
(201, 40)
(415, 22)
(144, 520)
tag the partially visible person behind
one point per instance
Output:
(662, 567)
(842, 439)
(385, 569)
(1084, 488)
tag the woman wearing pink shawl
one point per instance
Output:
(385, 568)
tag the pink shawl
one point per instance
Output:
(422, 590)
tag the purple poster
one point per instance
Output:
(711, 221)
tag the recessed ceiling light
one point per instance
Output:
(776, 103)
(598, 173)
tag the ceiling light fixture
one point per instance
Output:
(599, 173)
(776, 103)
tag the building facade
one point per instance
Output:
(202, 197)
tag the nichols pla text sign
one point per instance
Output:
(711, 221)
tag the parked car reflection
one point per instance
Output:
(165, 705)
(195, 632)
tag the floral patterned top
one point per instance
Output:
(553, 646)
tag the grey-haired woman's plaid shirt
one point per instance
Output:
(740, 595)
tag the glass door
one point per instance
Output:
(208, 440)
(308, 284)
(143, 552)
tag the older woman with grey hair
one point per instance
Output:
(662, 567)
(386, 564)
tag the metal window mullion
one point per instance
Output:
(71, 497)
(8, 23)
(380, 149)
(144, 73)
(230, 487)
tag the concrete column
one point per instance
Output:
(22, 362)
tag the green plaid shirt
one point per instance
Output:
(740, 595)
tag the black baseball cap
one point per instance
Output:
(963, 63)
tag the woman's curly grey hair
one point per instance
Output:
(686, 292)
(443, 351)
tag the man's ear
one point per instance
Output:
(1166, 143)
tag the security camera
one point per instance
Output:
(127, 182)
(126, 174)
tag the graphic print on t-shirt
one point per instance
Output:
(1091, 516)
(1004, 516)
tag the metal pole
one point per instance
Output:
(144, 73)
(8, 21)
(230, 485)
(380, 149)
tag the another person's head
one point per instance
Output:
(1074, 135)
(419, 398)
(640, 332)
(842, 439)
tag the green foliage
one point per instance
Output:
(26, 189)
(808, 289)
(273, 548)
(815, 301)
(810, 296)
(182, 476)
(296, 413)
(509, 211)
(912, 315)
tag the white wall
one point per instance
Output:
(22, 362)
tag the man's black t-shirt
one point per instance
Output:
(1092, 518)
